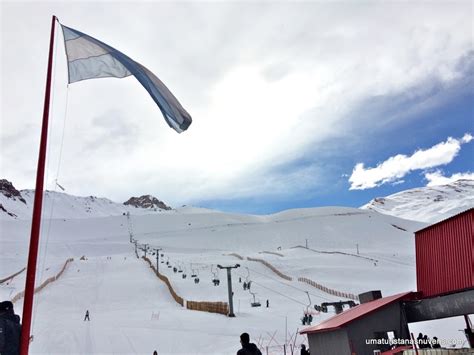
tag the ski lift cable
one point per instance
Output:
(281, 294)
(296, 288)
(286, 284)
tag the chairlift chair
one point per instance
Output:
(195, 275)
(307, 317)
(215, 280)
(255, 303)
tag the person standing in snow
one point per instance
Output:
(87, 316)
(268, 303)
(248, 348)
(10, 329)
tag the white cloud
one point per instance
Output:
(398, 166)
(467, 138)
(264, 82)
(437, 178)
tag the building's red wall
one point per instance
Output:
(445, 255)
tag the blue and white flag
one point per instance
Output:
(89, 58)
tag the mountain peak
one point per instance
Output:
(9, 191)
(147, 201)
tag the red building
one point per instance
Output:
(445, 255)
(445, 283)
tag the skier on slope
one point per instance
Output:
(86, 317)
(248, 348)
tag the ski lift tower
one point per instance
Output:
(229, 286)
(130, 227)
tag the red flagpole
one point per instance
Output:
(36, 223)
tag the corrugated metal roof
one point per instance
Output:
(351, 314)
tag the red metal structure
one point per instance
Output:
(445, 255)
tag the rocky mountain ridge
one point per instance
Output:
(146, 201)
(15, 204)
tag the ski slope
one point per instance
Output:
(132, 311)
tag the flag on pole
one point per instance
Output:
(89, 58)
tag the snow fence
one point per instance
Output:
(45, 283)
(163, 278)
(271, 267)
(329, 290)
(12, 276)
(212, 307)
(240, 257)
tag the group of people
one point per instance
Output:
(426, 343)
(307, 319)
(10, 330)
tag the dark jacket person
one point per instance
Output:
(248, 348)
(10, 329)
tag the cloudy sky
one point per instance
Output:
(294, 104)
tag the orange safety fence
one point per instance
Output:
(213, 307)
(329, 290)
(12, 276)
(271, 267)
(238, 256)
(45, 283)
(163, 278)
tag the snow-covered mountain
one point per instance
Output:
(427, 204)
(131, 310)
(16, 204)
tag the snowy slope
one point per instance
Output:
(62, 205)
(427, 204)
(350, 250)
(132, 311)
